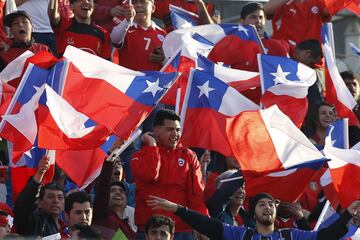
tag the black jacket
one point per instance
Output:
(28, 219)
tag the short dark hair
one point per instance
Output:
(250, 8)
(347, 75)
(86, 232)
(76, 197)
(313, 45)
(50, 186)
(165, 114)
(158, 221)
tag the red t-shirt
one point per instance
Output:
(275, 47)
(296, 21)
(91, 38)
(138, 45)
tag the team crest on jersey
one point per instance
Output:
(160, 37)
(181, 162)
(313, 186)
(315, 10)
(70, 41)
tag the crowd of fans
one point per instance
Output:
(168, 191)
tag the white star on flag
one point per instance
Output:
(241, 28)
(28, 153)
(205, 89)
(153, 87)
(280, 75)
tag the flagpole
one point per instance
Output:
(117, 151)
(322, 215)
(177, 101)
(186, 98)
(231, 179)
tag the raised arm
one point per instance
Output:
(53, 12)
(339, 228)
(204, 16)
(273, 5)
(210, 227)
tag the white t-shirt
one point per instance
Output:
(129, 214)
(37, 10)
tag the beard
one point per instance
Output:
(265, 220)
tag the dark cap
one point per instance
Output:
(254, 200)
(121, 184)
(8, 19)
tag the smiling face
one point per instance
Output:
(326, 116)
(239, 196)
(82, 10)
(21, 29)
(168, 134)
(117, 197)
(52, 203)
(265, 212)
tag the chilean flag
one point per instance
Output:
(182, 18)
(26, 167)
(36, 111)
(111, 95)
(287, 185)
(336, 91)
(238, 79)
(214, 33)
(267, 141)
(345, 171)
(285, 82)
(184, 59)
(339, 139)
(13, 72)
(334, 6)
(6, 93)
(208, 106)
(355, 49)
(246, 82)
(19, 123)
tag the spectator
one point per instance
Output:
(42, 31)
(227, 50)
(317, 123)
(41, 219)
(227, 204)
(21, 29)
(296, 20)
(263, 210)
(79, 31)
(84, 232)
(164, 167)
(353, 85)
(78, 209)
(159, 228)
(206, 11)
(139, 38)
(110, 205)
(310, 53)
(105, 11)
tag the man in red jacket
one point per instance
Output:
(163, 167)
